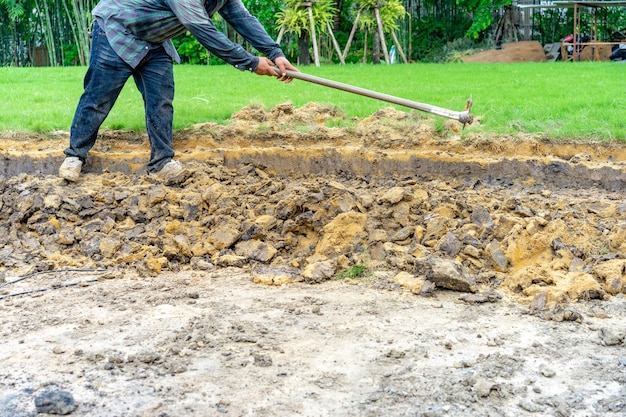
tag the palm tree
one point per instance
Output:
(378, 17)
(305, 19)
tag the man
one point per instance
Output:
(133, 38)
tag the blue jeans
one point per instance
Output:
(103, 83)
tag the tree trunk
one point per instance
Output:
(316, 53)
(337, 16)
(365, 47)
(397, 42)
(303, 49)
(16, 60)
(375, 47)
(381, 35)
(335, 44)
(354, 26)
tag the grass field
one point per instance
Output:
(582, 101)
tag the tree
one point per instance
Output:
(482, 11)
(14, 10)
(79, 19)
(305, 19)
(377, 17)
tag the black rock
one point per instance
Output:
(55, 401)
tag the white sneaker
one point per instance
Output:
(172, 173)
(70, 169)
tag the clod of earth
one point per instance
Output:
(294, 200)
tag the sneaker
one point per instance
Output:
(172, 173)
(70, 169)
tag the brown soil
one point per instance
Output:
(524, 51)
(453, 274)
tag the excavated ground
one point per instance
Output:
(390, 202)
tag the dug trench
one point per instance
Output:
(392, 203)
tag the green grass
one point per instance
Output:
(354, 272)
(581, 101)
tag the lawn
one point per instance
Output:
(581, 101)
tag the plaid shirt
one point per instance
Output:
(133, 26)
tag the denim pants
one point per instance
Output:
(103, 83)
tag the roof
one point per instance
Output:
(570, 4)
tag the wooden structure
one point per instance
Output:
(588, 50)
(507, 28)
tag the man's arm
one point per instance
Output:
(248, 26)
(193, 15)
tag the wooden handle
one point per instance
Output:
(464, 116)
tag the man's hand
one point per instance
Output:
(266, 67)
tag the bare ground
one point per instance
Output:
(387, 268)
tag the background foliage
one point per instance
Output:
(54, 32)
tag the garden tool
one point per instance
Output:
(463, 117)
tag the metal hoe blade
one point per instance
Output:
(463, 116)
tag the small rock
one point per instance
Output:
(395, 354)
(256, 250)
(446, 273)
(262, 360)
(224, 236)
(318, 272)
(539, 301)
(148, 357)
(483, 387)
(546, 371)
(472, 251)
(451, 245)
(109, 246)
(198, 263)
(581, 157)
(402, 234)
(55, 401)
(393, 195)
(500, 262)
(611, 337)
(481, 216)
(230, 260)
(177, 367)
(530, 406)
(410, 282)
(486, 297)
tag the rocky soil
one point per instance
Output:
(387, 266)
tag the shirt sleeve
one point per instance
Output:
(249, 27)
(193, 15)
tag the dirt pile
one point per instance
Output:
(296, 204)
(524, 51)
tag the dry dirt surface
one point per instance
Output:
(523, 51)
(392, 267)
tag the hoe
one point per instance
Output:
(463, 117)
